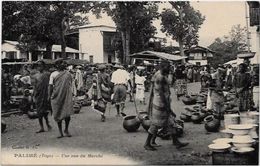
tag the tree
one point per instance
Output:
(44, 23)
(182, 23)
(227, 48)
(133, 19)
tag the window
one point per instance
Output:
(198, 63)
(91, 59)
(198, 56)
(76, 56)
(11, 55)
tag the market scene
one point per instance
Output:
(130, 83)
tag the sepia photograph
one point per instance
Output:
(130, 82)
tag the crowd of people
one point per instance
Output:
(55, 89)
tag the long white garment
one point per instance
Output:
(139, 87)
(79, 79)
(209, 102)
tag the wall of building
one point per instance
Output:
(202, 62)
(91, 43)
(6, 47)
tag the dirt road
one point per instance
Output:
(104, 140)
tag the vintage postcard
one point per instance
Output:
(130, 82)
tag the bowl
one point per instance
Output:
(242, 138)
(240, 129)
(243, 141)
(242, 145)
(242, 150)
(219, 147)
(222, 141)
(226, 133)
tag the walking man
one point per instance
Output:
(159, 108)
(60, 93)
(120, 78)
(40, 95)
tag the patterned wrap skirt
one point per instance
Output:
(181, 86)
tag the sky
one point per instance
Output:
(220, 17)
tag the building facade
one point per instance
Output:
(96, 43)
(10, 51)
(199, 55)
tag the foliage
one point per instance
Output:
(182, 23)
(135, 19)
(43, 23)
(227, 48)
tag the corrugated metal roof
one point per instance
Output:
(154, 54)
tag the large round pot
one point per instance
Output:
(142, 115)
(196, 118)
(146, 122)
(131, 123)
(185, 117)
(3, 126)
(188, 100)
(76, 109)
(32, 114)
(212, 124)
(86, 103)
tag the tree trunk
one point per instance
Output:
(123, 34)
(48, 53)
(127, 46)
(181, 49)
(63, 41)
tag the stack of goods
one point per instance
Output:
(238, 146)
(242, 141)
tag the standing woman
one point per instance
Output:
(181, 83)
(60, 93)
(242, 83)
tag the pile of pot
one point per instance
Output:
(189, 99)
(194, 114)
(163, 133)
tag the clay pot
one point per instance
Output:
(142, 115)
(180, 122)
(203, 114)
(86, 103)
(76, 109)
(3, 126)
(196, 118)
(185, 117)
(179, 131)
(32, 114)
(211, 124)
(188, 100)
(146, 122)
(131, 123)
